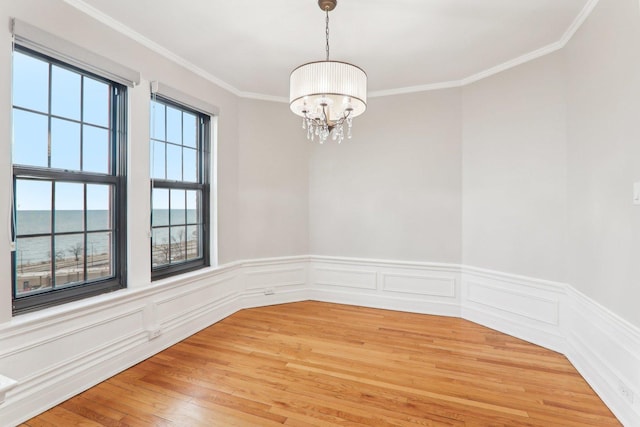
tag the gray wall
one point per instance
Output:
(273, 181)
(514, 171)
(603, 127)
(393, 191)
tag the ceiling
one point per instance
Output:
(251, 46)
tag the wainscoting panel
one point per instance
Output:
(415, 284)
(180, 308)
(513, 301)
(344, 277)
(427, 288)
(269, 282)
(523, 307)
(262, 278)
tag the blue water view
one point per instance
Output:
(32, 249)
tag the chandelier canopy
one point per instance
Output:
(328, 94)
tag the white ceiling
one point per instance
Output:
(251, 46)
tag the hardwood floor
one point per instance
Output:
(319, 364)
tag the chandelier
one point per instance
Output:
(328, 94)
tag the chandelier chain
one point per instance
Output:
(327, 32)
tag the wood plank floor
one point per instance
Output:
(319, 364)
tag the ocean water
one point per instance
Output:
(30, 250)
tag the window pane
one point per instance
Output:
(190, 165)
(98, 207)
(31, 139)
(69, 207)
(157, 160)
(174, 125)
(174, 162)
(178, 243)
(99, 264)
(65, 93)
(33, 264)
(189, 130)
(95, 108)
(178, 211)
(95, 149)
(157, 120)
(192, 207)
(65, 144)
(30, 82)
(33, 206)
(194, 249)
(160, 212)
(160, 246)
(69, 259)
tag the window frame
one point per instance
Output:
(116, 177)
(202, 184)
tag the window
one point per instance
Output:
(180, 188)
(68, 182)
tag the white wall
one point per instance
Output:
(393, 191)
(603, 125)
(273, 181)
(514, 170)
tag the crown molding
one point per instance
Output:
(545, 50)
(263, 97)
(414, 89)
(577, 23)
(134, 35)
(148, 43)
(512, 63)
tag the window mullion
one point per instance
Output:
(81, 123)
(62, 175)
(49, 116)
(53, 235)
(84, 234)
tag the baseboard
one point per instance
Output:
(605, 349)
(50, 356)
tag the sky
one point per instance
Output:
(80, 137)
(70, 95)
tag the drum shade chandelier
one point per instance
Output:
(328, 94)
